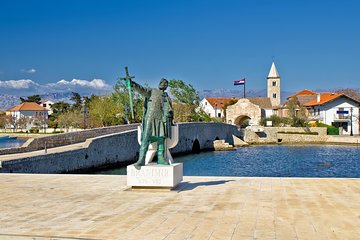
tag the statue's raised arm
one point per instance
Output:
(146, 92)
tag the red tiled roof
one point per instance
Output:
(27, 106)
(324, 98)
(304, 92)
(219, 102)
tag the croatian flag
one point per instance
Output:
(239, 82)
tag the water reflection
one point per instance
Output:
(10, 142)
(273, 161)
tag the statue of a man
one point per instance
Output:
(157, 120)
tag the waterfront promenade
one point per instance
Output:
(100, 207)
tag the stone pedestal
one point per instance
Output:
(155, 176)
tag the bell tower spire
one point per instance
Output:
(273, 86)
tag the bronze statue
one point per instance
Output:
(157, 119)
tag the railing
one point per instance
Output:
(341, 117)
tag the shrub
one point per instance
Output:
(276, 121)
(332, 131)
(303, 133)
(34, 130)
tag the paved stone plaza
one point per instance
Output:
(101, 207)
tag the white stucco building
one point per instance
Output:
(34, 114)
(337, 110)
(214, 107)
(47, 105)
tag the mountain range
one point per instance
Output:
(8, 100)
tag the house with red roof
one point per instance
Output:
(214, 107)
(333, 109)
(31, 112)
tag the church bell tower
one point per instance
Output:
(273, 86)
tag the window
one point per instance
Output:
(219, 114)
(274, 83)
(205, 103)
(44, 105)
(318, 111)
(274, 95)
(341, 116)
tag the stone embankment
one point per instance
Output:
(116, 148)
(294, 135)
(63, 139)
(221, 145)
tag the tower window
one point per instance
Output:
(274, 83)
(274, 95)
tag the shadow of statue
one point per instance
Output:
(187, 186)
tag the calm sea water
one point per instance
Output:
(272, 161)
(10, 142)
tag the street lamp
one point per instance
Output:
(84, 102)
(351, 122)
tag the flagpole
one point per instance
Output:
(244, 88)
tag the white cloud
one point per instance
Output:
(18, 84)
(28, 86)
(28, 70)
(95, 83)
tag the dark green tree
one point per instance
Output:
(183, 92)
(60, 107)
(120, 96)
(297, 113)
(33, 98)
(76, 98)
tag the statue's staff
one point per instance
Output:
(127, 80)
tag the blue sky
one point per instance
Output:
(208, 43)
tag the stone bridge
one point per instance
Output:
(118, 148)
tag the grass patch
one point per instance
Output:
(301, 133)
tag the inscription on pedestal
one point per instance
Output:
(155, 175)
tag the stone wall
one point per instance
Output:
(241, 110)
(63, 139)
(272, 135)
(119, 148)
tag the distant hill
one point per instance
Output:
(7, 100)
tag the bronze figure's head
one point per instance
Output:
(163, 84)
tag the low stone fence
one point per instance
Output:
(118, 149)
(283, 134)
(63, 139)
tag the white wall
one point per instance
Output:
(328, 112)
(209, 110)
(29, 114)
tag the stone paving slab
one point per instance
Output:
(102, 207)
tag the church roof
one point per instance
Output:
(303, 99)
(262, 102)
(273, 72)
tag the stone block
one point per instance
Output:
(155, 176)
